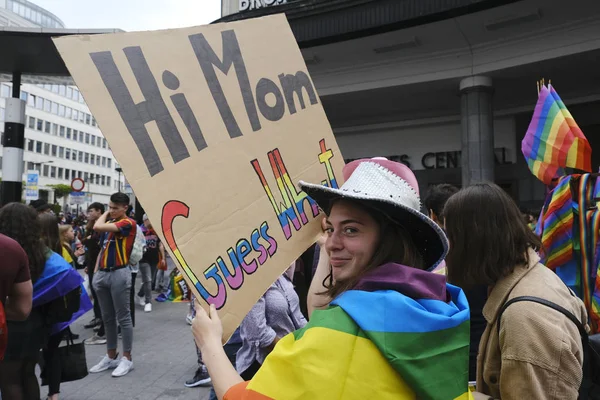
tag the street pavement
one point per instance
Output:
(164, 357)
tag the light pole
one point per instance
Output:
(119, 170)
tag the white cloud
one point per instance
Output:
(133, 15)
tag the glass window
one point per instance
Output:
(47, 87)
(92, 159)
(46, 168)
(54, 108)
(47, 105)
(81, 99)
(47, 149)
(62, 90)
(87, 138)
(97, 179)
(68, 153)
(74, 158)
(81, 136)
(75, 115)
(24, 95)
(54, 150)
(109, 162)
(88, 119)
(62, 131)
(103, 143)
(104, 161)
(38, 147)
(40, 125)
(68, 133)
(85, 176)
(5, 90)
(29, 165)
(31, 123)
(98, 160)
(70, 92)
(80, 156)
(54, 129)
(61, 110)
(79, 174)
(67, 173)
(47, 127)
(30, 144)
(60, 173)
(55, 88)
(39, 103)
(81, 116)
(93, 140)
(69, 112)
(87, 158)
(103, 180)
(61, 152)
(93, 121)
(52, 172)
(75, 134)
(108, 180)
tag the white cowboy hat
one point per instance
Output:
(391, 188)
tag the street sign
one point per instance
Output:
(77, 184)
(31, 186)
(77, 197)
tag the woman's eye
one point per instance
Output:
(350, 231)
(329, 231)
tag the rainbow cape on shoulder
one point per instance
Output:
(404, 334)
(58, 279)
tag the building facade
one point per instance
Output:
(62, 139)
(447, 86)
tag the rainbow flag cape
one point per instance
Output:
(553, 139)
(401, 334)
(58, 279)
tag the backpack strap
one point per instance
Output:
(549, 304)
(587, 380)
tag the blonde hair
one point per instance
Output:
(62, 230)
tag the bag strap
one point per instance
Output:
(549, 304)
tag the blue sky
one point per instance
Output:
(133, 15)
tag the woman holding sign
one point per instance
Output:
(392, 331)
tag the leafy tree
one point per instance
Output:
(61, 190)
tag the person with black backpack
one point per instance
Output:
(53, 279)
(59, 311)
(529, 350)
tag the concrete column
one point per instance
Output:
(477, 124)
(11, 188)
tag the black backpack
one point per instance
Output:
(590, 385)
(62, 308)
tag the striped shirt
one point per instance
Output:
(117, 246)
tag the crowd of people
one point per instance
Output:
(400, 298)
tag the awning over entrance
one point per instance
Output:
(318, 22)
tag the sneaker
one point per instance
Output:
(123, 369)
(142, 301)
(104, 364)
(148, 307)
(189, 319)
(93, 323)
(96, 339)
(200, 378)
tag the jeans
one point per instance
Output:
(146, 289)
(52, 367)
(113, 290)
(97, 312)
(231, 350)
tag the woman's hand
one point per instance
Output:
(208, 329)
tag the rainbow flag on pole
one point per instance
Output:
(403, 337)
(553, 139)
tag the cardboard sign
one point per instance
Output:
(214, 126)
